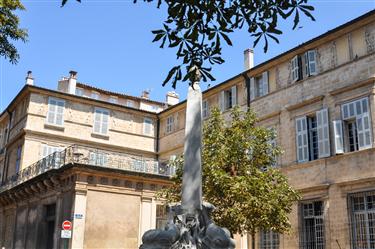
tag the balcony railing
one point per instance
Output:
(82, 155)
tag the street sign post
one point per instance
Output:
(66, 232)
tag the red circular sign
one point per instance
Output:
(67, 225)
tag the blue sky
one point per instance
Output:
(108, 42)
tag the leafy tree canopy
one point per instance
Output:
(10, 30)
(239, 177)
(197, 29)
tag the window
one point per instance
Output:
(101, 119)
(113, 99)
(362, 224)
(312, 136)
(129, 103)
(304, 66)
(147, 126)
(269, 240)
(205, 109)
(55, 115)
(259, 85)
(161, 216)
(312, 224)
(95, 95)
(98, 158)
(79, 91)
(353, 132)
(228, 98)
(18, 158)
(170, 124)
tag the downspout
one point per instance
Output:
(157, 137)
(247, 83)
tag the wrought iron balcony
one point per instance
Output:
(82, 155)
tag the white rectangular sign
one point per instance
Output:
(66, 234)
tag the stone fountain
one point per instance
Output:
(189, 224)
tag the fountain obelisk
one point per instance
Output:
(192, 176)
(189, 224)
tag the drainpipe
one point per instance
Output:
(157, 137)
(247, 83)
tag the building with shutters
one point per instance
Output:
(96, 157)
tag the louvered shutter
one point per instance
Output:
(60, 113)
(265, 82)
(97, 121)
(364, 131)
(295, 68)
(105, 117)
(221, 101)
(51, 111)
(312, 62)
(323, 133)
(234, 95)
(301, 139)
(338, 136)
(252, 88)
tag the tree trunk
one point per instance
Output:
(252, 240)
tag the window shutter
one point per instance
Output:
(252, 88)
(60, 113)
(105, 117)
(234, 95)
(295, 68)
(306, 58)
(323, 133)
(301, 140)
(97, 121)
(221, 101)
(364, 131)
(265, 82)
(311, 62)
(338, 135)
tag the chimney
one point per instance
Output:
(72, 82)
(145, 94)
(172, 98)
(29, 78)
(248, 59)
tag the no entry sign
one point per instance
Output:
(67, 225)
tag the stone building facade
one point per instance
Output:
(96, 158)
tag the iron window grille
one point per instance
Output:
(312, 225)
(362, 220)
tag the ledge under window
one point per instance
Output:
(98, 135)
(54, 127)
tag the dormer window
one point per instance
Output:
(113, 99)
(259, 85)
(304, 66)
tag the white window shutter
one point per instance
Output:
(234, 95)
(301, 140)
(265, 82)
(105, 118)
(338, 135)
(252, 88)
(307, 71)
(97, 121)
(364, 131)
(295, 68)
(312, 62)
(323, 133)
(222, 101)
